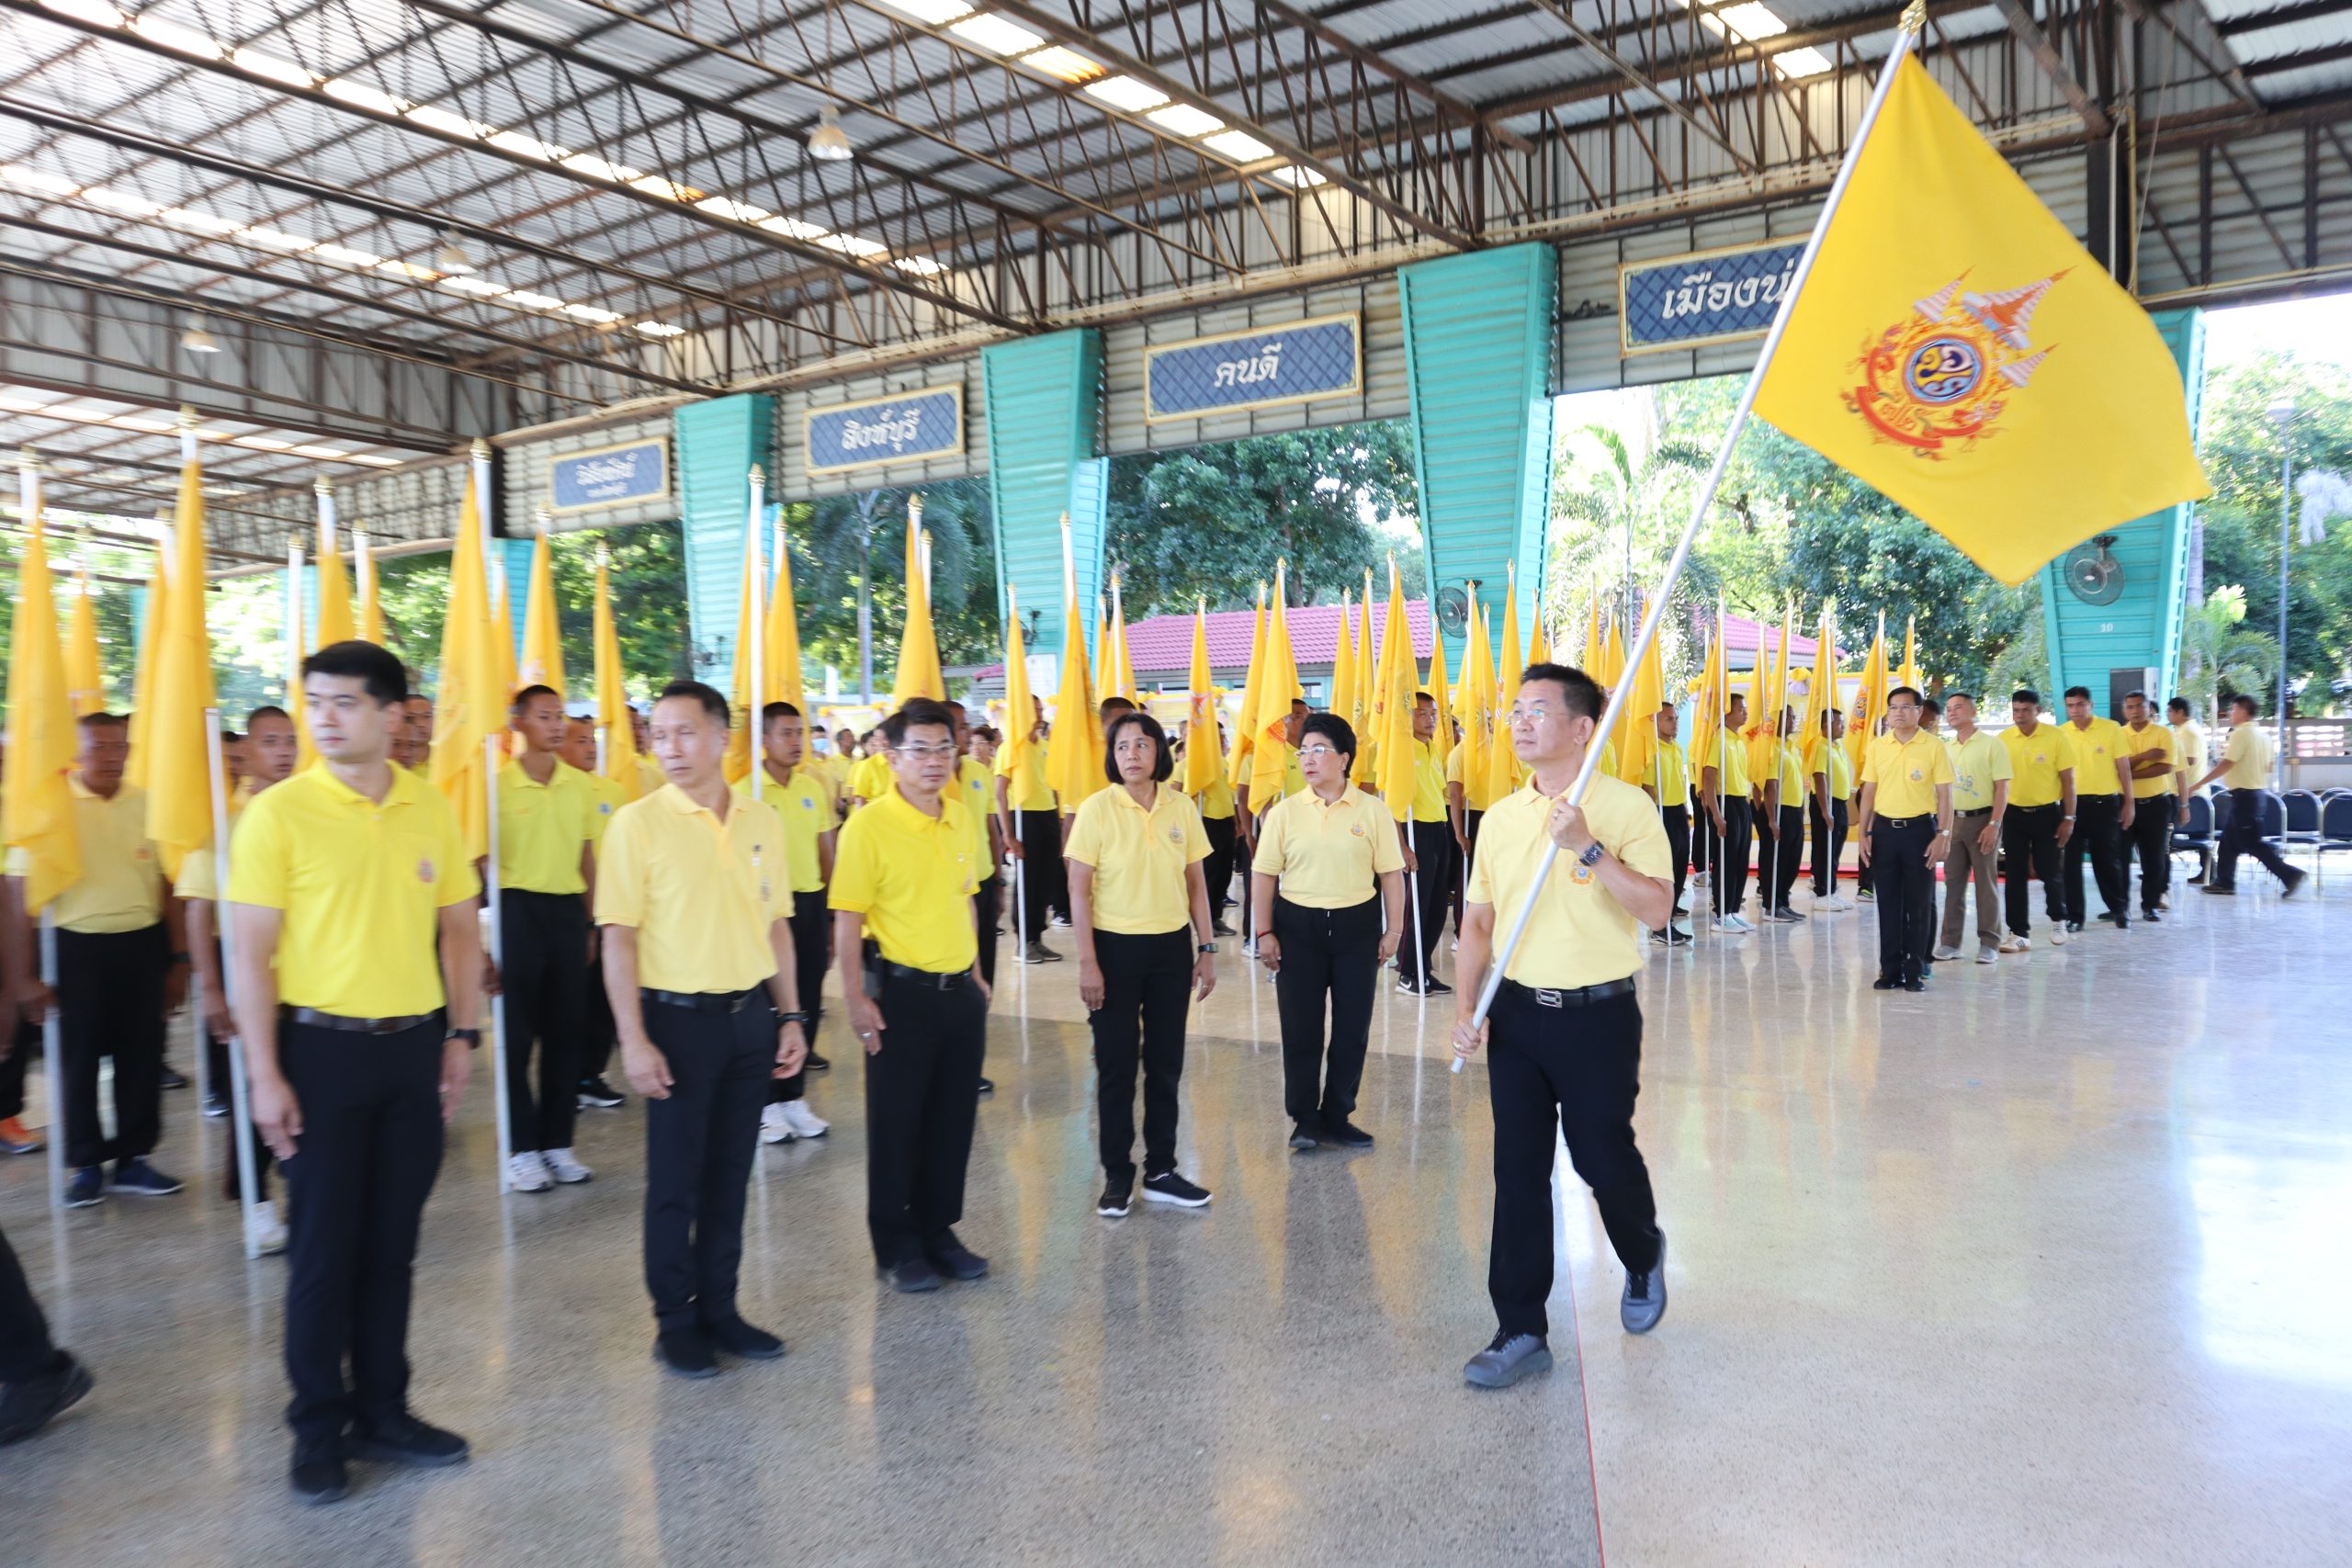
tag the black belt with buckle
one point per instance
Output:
(1903, 821)
(705, 1001)
(1572, 997)
(312, 1018)
(1973, 811)
(928, 979)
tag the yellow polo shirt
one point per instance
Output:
(1669, 774)
(541, 828)
(198, 879)
(804, 807)
(361, 885)
(121, 886)
(608, 797)
(701, 894)
(1028, 790)
(870, 779)
(1329, 854)
(2247, 751)
(976, 787)
(1906, 774)
(1429, 783)
(2189, 749)
(1138, 858)
(1730, 762)
(1977, 765)
(649, 776)
(2098, 746)
(1577, 934)
(912, 877)
(1796, 785)
(1217, 801)
(2148, 736)
(2035, 762)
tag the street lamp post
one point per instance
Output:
(2282, 416)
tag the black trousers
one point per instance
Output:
(1705, 824)
(2242, 836)
(1218, 867)
(543, 969)
(2151, 836)
(1778, 857)
(597, 1042)
(1907, 895)
(922, 1093)
(1552, 1071)
(698, 1147)
(110, 1003)
(1676, 820)
(1147, 994)
(2030, 848)
(2098, 835)
(216, 1057)
(362, 1169)
(1728, 854)
(988, 903)
(1828, 844)
(1329, 956)
(1426, 890)
(1470, 820)
(26, 1348)
(1042, 874)
(25, 1046)
(812, 925)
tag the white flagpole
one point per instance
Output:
(296, 635)
(1906, 38)
(490, 760)
(241, 1128)
(754, 731)
(29, 509)
(324, 489)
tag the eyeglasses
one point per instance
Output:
(926, 753)
(1306, 752)
(1532, 716)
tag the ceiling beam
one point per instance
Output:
(1560, 13)
(2279, 16)
(1372, 58)
(2054, 65)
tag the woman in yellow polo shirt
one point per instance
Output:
(1139, 906)
(1327, 907)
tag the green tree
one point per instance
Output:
(2220, 655)
(840, 541)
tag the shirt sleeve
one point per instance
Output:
(1196, 837)
(1085, 845)
(1453, 764)
(858, 869)
(1939, 767)
(257, 870)
(1387, 853)
(1869, 763)
(458, 882)
(198, 878)
(1272, 853)
(620, 872)
(1641, 843)
(2001, 766)
(1481, 889)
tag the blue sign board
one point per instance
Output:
(1712, 297)
(1291, 363)
(609, 476)
(928, 424)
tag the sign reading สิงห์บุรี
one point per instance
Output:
(1710, 296)
(1321, 357)
(609, 476)
(928, 424)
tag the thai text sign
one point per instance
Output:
(1712, 297)
(928, 424)
(609, 476)
(1292, 362)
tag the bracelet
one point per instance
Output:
(1261, 936)
(798, 1018)
(473, 1037)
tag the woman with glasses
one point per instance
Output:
(1328, 907)
(1139, 906)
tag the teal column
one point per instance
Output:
(2141, 627)
(1478, 364)
(717, 442)
(1043, 396)
(515, 556)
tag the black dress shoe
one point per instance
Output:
(1346, 1134)
(2073, 926)
(912, 1277)
(26, 1407)
(1915, 984)
(1884, 983)
(2217, 888)
(685, 1353)
(739, 1338)
(955, 1260)
(404, 1440)
(1219, 927)
(988, 1086)
(2151, 918)
(1305, 1135)
(172, 1077)
(319, 1475)
(816, 1064)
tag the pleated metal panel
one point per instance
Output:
(713, 447)
(1043, 396)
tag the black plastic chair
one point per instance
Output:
(2334, 827)
(2302, 814)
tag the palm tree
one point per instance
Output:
(2219, 653)
(1614, 506)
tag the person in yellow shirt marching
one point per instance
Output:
(1831, 772)
(1667, 782)
(1031, 824)
(596, 1046)
(1905, 829)
(2189, 763)
(803, 800)
(1780, 849)
(2039, 819)
(2104, 812)
(1723, 797)
(1980, 799)
(2244, 770)
(2151, 753)
(1428, 856)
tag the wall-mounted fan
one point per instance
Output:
(1452, 611)
(2092, 573)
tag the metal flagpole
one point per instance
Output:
(1906, 38)
(490, 760)
(240, 1129)
(756, 562)
(52, 1064)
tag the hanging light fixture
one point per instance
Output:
(829, 143)
(451, 257)
(196, 339)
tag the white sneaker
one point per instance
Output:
(774, 1128)
(2015, 944)
(804, 1123)
(1946, 952)
(1832, 903)
(2058, 936)
(564, 1169)
(527, 1172)
(1735, 924)
(267, 1234)
(1986, 952)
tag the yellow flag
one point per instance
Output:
(1957, 349)
(1204, 758)
(1018, 708)
(180, 774)
(918, 673)
(1503, 770)
(1269, 765)
(1474, 696)
(1620, 739)
(36, 801)
(335, 622)
(1400, 758)
(1821, 695)
(1870, 699)
(1123, 666)
(1911, 653)
(620, 763)
(1638, 752)
(542, 662)
(1074, 747)
(781, 673)
(1539, 646)
(1245, 731)
(502, 616)
(372, 608)
(1343, 663)
(143, 677)
(1592, 654)
(1435, 685)
(743, 723)
(1714, 697)
(86, 683)
(470, 705)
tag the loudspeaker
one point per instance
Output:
(2121, 682)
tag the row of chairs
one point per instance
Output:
(2319, 821)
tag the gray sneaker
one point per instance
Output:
(1509, 1358)
(1946, 952)
(1644, 1302)
(1987, 953)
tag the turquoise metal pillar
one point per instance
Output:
(515, 555)
(2141, 628)
(1479, 360)
(717, 442)
(1043, 396)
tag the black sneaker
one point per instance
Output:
(317, 1475)
(2073, 926)
(1346, 1134)
(2216, 887)
(685, 1353)
(2151, 918)
(88, 1187)
(1885, 983)
(912, 1277)
(216, 1106)
(141, 1180)
(1119, 1192)
(1169, 1188)
(1439, 988)
(404, 1440)
(739, 1338)
(1644, 1302)
(26, 1407)
(988, 1086)
(1305, 1135)
(172, 1077)
(816, 1064)
(2294, 879)
(955, 1260)
(1218, 927)
(595, 1094)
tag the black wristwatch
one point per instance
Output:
(799, 1018)
(1592, 855)
(473, 1037)
(1208, 947)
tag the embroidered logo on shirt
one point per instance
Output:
(1175, 835)
(1357, 830)
(1916, 775)
(425, 871)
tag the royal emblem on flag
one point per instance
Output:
(1941, 377)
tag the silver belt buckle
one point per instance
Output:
(1546, 997)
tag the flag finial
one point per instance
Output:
(480, 448)
(187, 416)
(1915, 17)
(322, 485)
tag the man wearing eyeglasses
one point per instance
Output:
(1565, 1029)
(1905, 830)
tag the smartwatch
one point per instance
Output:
(1208, 947)
(1591, 856)
(473, 1037)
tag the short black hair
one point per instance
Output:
(695, 691)
(522, 698)
(1586, 699)
(917, 713)
(2178, 705)
(384, 677)
(2251, 705)
(103, 721)
(2026, 694)
(267, 710)
(1899, 691)
(1332, 728)
(777, 710)
(2135, 692)
(2082, 692)
(1424, 697)
(1929, 707)
(1162, 763)
(1948, 696)
(1114, 705)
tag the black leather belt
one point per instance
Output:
(928, 979)
(1574, 997)
(705, 1001)
(313, 1019)
(1973, 811)
(1899, 821)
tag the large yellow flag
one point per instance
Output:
(1714, 697)
(180, 774)
(1539, 643)
(501, 617)
(1245, 729)
(1204, 758)
(1344, 701)
(1019, 724)
(1435, 685)
(1870, 699)
(335, 620)
(918, 673)
(1821, 695)
(542, 660)
(1270, 762)
(781, 673)
(1374, 674)
(36, 803)
(1956, 348)
(371, 607)
(142, 675)
(1639, 750)
(1474, 696)
(619, 761)
(86, 683)
(1400, 758)
(470, 707)
(1503, 770)
(1074, 747)
(743, 723)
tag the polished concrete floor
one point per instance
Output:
(2052, 1265)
